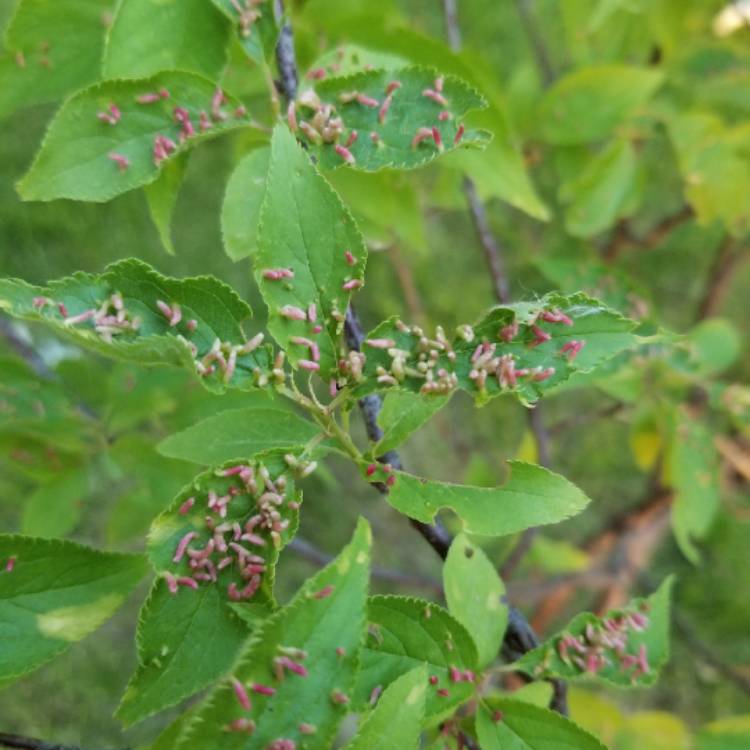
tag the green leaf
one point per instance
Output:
(240, 212)
(405, 633)
(240, 433)
(161, 196)
(694, 470)
(347, 59)
(201, 632)
(499, 171)
(75, 159)
(326, 621)
(55, 506)
(305, 228)
(402, 414)
(167, 739)
(598, 195)
(515, 725)
(185, 642)
(476, 596)
(53, 50)
(716, 169)
(625, 647)
(257, 33)
(56, 594)
(732, 733)
(715, 345)
(533, 496)
(147, 37)
(395, 131)
(397, 718)
(540, 353)
(146, 336)
(244, 499)
(589, 103)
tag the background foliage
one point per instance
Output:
(626, 178)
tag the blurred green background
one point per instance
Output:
(426, 265)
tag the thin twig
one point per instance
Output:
(286, 59)
(25, 350)
(542, 440)
(493, 254)
(452, 24)
(622, 237)
(491, 247)
(719, 278)
(28, 743)
(538, 45)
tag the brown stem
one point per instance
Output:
(622, 237)
(720, 278)
(28, 743)
(538, 45)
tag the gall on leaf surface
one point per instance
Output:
(525, 349)
(256, 27)
(532, 496)
(188, 632)
(321, 631)
(54, 593)
(209, 311)
(308, 238)
(404, 633)
(377, 117)
(626, 647)
(522, 726)
(92, 154)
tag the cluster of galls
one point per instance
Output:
(229, 540)
(325, 126)
(433, 360)
(109, 319)
(603, 645)
(289, 663)
(248, 14)
(163, 146)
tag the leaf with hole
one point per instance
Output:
(532, 496)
